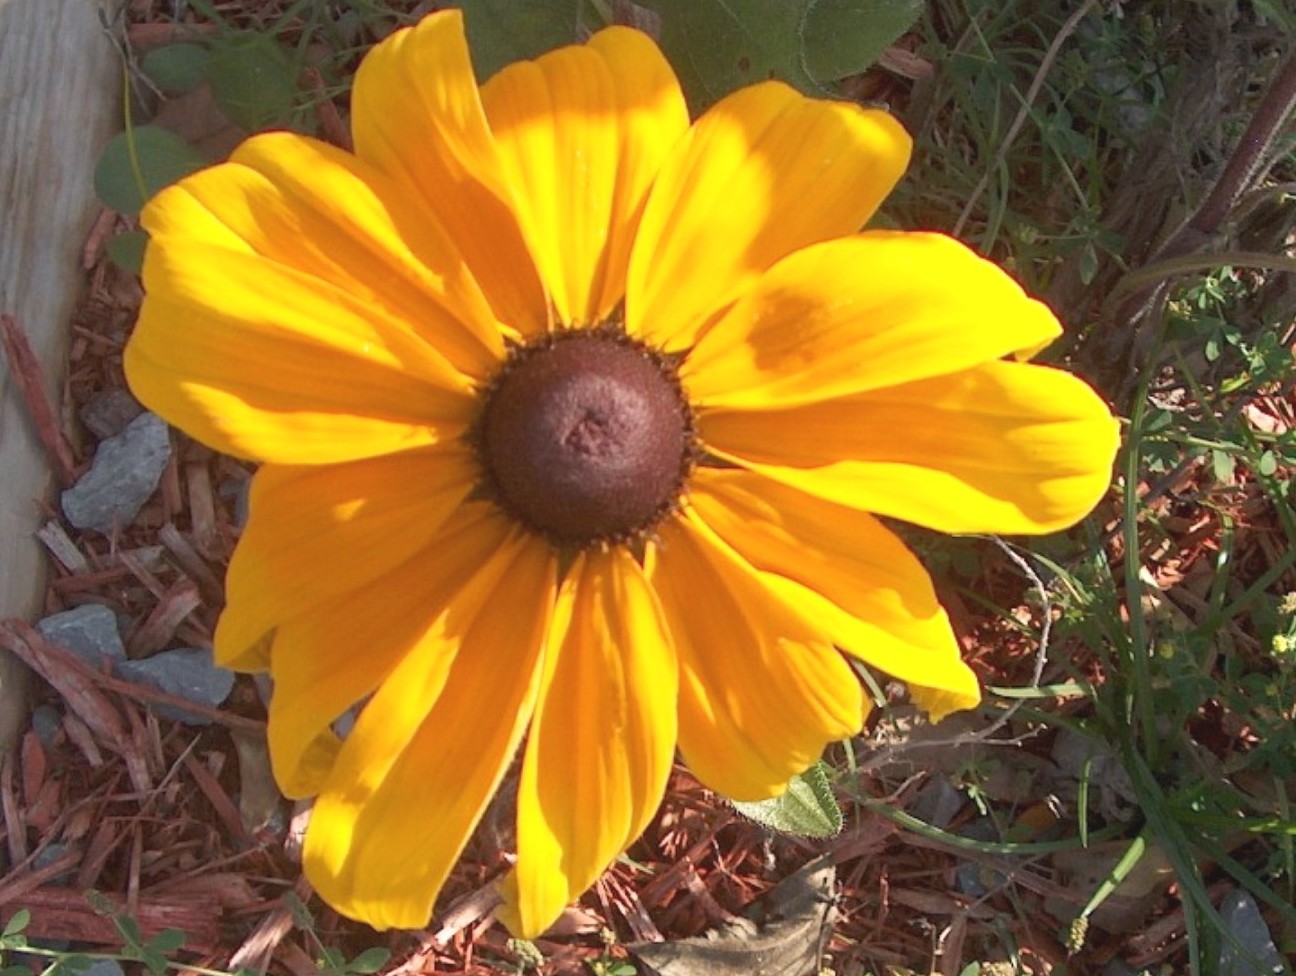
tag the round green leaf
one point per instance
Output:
(127, 250)
(503, 31)
(844, 37)
(807, 808)
(177, 67)
(252, 80)
(717, 46)
(140, 161)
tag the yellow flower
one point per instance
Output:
(571, 417)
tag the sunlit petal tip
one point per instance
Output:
(581, 133)
(872, 310)
(764, 172)
(762, 690)
(1004, 447)
(841, 570)
(385, 830)
(417, 115)
(960, 693)
(585, 795)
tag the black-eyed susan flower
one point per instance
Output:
(575, 420)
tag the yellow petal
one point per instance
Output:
(761, 693)
(316, 533)
(429, 750)
(332, 656)
(581, 133)
(843, 570)
(764, 172)
(602, 742)
(877, 309)
(325, 213)
(1005, 447)
(417, 115)
(261, 361)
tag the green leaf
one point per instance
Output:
(331, 959)
(252, 80)
(138, 162)
(807, 808)
(127, 250)
(155, 962)
(844, 37)
(503, 31)
(168, 940)
(1224, 465)
(177, 67)
(74, 964)
(18, 921)
(130, 933)
(369, 961)
(717, 46)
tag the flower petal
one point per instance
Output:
(761, 693)
(325, 213)
(876, 309)
(1004, 447)
(765, 172)
(329, 658)
(316, 533)
(602, 742)
(581, 133)
(261, 361)
(417, 115)
(844, 571)
(429, 750)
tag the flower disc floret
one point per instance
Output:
(585, 437)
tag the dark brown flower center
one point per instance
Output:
(586, 438)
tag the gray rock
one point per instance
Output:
(188, 673)
(1255, 953)
(90, 632)
(974, 877)
(125, 471)
(46, 721)
(107, 413)
(50, 853)
(1073, 752)
(938, 802)
(103, 967)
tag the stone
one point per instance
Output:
(102, 967)
(125, 471)
(46, 720)
(90, 632)
(1255, 953)
(108, 412)
(51, 853)
(188, 672)
(938, 802)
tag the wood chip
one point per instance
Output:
(25, 369)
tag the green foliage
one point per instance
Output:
(844, 37)
(127, 250)
(807, 808)
(177, 68)
(252, 79)
(140, 161)
(503, 31)
(717, 46)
